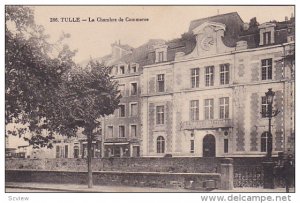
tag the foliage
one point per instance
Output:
(47, 91)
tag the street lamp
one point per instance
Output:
(270, 113)
(269, 164)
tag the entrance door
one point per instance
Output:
(209, 146)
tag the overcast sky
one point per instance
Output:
(165, 22)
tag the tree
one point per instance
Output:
(50, 92)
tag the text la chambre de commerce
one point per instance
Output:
(96, 19)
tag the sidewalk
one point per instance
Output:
(35, 187)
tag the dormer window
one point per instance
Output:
(160, 53)
(267, 38)
(267, 34)
(122, 69)
(133, 68)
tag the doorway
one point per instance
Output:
(209, 146)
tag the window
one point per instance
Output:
(161, 82)
(224, 74)
(122, 89)
(225, 145)
(208, 109)
(224, 107)
(57, 152)
(266, 69)
(264, 142)
(122, 69)
(192, 146)
(160, 56)
(160, 115)
(121, 110)
(209, 76)
(195, 77)
(133, 109)
(66, 151)
(133, 68)
(264, 106)
(110, 131)
(121, 131)
(194, 110)
(133, 131)
(133, 88)
(267, 38)
(160, 144)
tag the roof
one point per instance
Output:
(233, 23)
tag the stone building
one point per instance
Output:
(204, 92)
(122, 130)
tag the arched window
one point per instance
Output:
(160, 144)
(264, 142)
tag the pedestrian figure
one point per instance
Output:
(288, 172)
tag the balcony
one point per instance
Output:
(120, 140)
(207, 124)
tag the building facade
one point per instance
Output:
(207, 100)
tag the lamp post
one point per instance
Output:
(269, 164)
(270, 113)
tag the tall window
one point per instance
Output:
(195, 77)
(160, 144)
(57, 152)
(226, 145)
(133, 88)
(264, 142)
(209, 76)
(160, 56)
(121, 110)
(133, 132)
(133, 68)
(267, 38)
(192, 146)
(194, 110)
(224, 74)
(264, 106)
(122, 69)
(266, 69)
(160, 115)
(133, 109)
(121, 131)
(110, 131)
(224, 107)
(122, 89)
(161, 83)
(209, 109)
(66, 151)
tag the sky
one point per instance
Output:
(94, 39)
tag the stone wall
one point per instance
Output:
(175, 164)
(139, 179)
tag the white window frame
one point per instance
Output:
(267, 67)
(130, 130)
(209, 76)
(194, 110)
(222, 104)
(119, 111)
(130, 109)
(194, 77)
(131, 88)
(160, 113)
(225, 73)
(119, 135)
(210, 107)
(158, 80)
